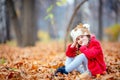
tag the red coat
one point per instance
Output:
(94, 54)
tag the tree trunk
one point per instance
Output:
(8, 36)
(116, 10)
(71, 21)
(2, 22)
(100, 26)
(15, 21)
(29, 27)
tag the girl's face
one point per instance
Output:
(82, 40)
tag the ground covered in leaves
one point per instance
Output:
(40, 62)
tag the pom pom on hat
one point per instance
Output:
(87, 26)
(81, 29)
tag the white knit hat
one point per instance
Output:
(81, 29)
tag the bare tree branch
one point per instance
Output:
(71, 21)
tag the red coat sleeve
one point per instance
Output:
(71, 52)
(92, 51)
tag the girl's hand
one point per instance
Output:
(74, 44)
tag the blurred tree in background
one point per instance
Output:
(13, 18)
(24, 23)
(3, 32)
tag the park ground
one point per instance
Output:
(41, 61)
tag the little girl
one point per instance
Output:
(85, 51)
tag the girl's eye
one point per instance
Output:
(77, 38)
(81, 36)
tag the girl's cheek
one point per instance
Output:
(80, 42)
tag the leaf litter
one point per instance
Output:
(41, 61)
